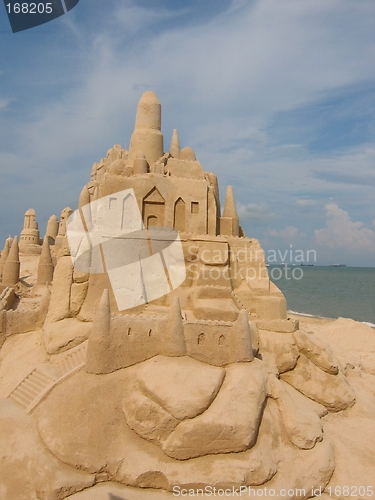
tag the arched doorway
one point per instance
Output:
(152, 220)
(179, 215)
(153, 209)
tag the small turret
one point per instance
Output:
(229, 223)
(4, 254)
(52, 229)
(174, 148)
(45, 267)
(11, 273)
(29, 238)
(65, 214)
(230, 209)
(242, 347)
(175, 340)
(140, 165)
(98, 349)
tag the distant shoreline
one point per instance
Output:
(311, 318)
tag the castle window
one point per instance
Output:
(150, 332)
(112, 203)
(129, 331)
(194, 207)
(201, 339)
(221, 340)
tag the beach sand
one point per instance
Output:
(307, 321)
(351, 432)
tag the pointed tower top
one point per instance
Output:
(4, 254)
(175, 310)
(230, 209)
(45, 266)
(14, 251)
(102, 321)
(174, 148)
(149, 97)
(243, 337)
(7, 244)
(175, 336)
(104, 302)
(45, 256)
(98, 357)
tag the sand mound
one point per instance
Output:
(351, 335)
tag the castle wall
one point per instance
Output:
(135, 339)
(193, 192)
(215, 344)
(132, 339)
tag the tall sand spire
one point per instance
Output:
(174, 148)
(98, 347)
(45, 267)
(230, 209)
(243, 345)
(30, 238)
(175, 334)
(11, 273)
(4, 254)
(52, 229)
(229, 222)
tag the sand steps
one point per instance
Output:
(34, 384)
(43, 378)
(74, 359)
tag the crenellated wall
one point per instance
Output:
(118, 341)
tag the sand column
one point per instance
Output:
(147, 137)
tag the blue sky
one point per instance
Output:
(275, 97)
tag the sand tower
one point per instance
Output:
(147, 137)
(30, 239)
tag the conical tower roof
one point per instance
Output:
(230, 209)
(174, 148)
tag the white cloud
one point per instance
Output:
(306, 202)
(288, 236)
(342, 233)
(240, 68)
(4, 103)
(254, 213)
(287, 233)
(133, 18)
(220, 84)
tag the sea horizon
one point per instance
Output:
(325, 291)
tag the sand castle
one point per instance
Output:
(152, 349)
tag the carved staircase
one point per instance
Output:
(43, 378)
(31, 387)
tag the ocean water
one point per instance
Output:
(330, 292)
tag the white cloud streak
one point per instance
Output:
(221, 84)
(342, 232)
